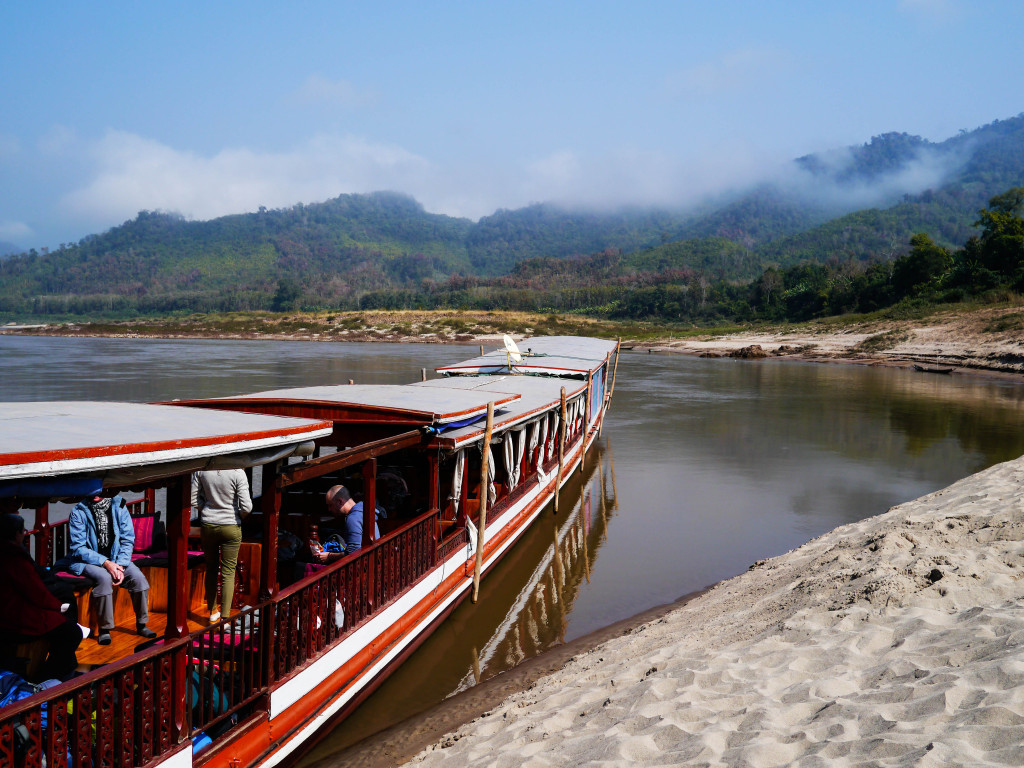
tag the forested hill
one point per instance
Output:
(861, 204)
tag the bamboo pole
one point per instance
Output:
(482, 522)
(615, 369)
(610, 388)
(561, 451)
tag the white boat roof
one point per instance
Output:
(428, 406)
(569, 356)
(536, 395)
(45, 439)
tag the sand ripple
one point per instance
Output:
(895, 641)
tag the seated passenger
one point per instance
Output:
(102, 539)
(28, 612)
(64, 592)
(350, 515)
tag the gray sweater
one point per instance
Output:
(221, 496)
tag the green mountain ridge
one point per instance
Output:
(339, 252)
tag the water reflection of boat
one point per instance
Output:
(538, 616)
(931, 369)
(306, 646)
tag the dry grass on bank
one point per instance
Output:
(975, 338)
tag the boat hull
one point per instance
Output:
(304, 707)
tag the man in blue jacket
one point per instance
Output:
(102, 540)
(349, 514)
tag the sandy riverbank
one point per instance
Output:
(897, 640)
(979, 342)
(893, 641)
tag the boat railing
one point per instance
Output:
(127, 713)
(316, 612)
(453, 542)
(227, 671)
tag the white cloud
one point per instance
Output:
(324, 92)
(641, 177)
(135, 173)
(928, 169)
(732, 71)
(15, 231)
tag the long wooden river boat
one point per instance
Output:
(308, 642)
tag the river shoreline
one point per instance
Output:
(893, 639)
(987, 342)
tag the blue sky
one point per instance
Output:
(207, 109)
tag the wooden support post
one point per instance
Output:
(423, 374)
(179, 509)
(484, 493)
(369, 500)
(270, 507)
(561, 450)
(351, 381)
(44, 542)
(615, 370)
(481, 350)
(433, 482)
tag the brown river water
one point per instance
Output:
(704, 467)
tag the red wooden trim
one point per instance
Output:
(179, 493)
(339, 410)
(433, 481)
(271, 509)
(44, 541)
(68, 454)
(369, 470)
(347, 457)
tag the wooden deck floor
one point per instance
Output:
(124, 640)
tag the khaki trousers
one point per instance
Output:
(220, 545)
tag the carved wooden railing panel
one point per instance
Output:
(309, 620)
(457, 540)
(225, 673)
(104, 718)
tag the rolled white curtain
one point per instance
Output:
(508, 450)
(542, 426)
(457, 475)
(519, 440)
(492, 493)
(531, 443)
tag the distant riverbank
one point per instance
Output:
(987, 340)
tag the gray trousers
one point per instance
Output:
(103, 594)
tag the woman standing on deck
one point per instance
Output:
(222, 498)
